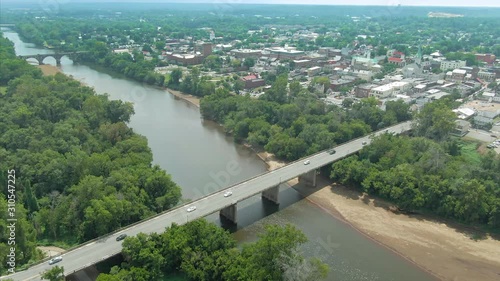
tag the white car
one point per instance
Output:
(228, 193)
(55, 260)
(192, 208)
(307, 162)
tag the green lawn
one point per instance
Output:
(470, 153)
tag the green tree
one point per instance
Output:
(435, 121)
(54, 274)
(238, 85)
(249, 62)
(175, 77)
(324, 81)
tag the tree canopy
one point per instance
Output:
(82, 172)
(204, 251)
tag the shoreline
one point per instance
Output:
(194, 100)
(444, 250)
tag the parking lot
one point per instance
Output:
(486, 137)
(480, 135)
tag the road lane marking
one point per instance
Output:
(31, 278)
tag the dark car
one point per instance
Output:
(331, 151)
(121, 237)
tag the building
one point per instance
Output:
(335, 85)
(246, 53)
(447, 64)
(363, 62)
(464, 112)
(286, 53)
(202, 50)
(121, 51)
(252, 81)
(456, 75)
(397, 61)
(363, 90)
(185, 59)
(313, 71)
(302, 63)
(363, 75)
(329, 51)
(486, 76)
(487, 58)
(462, 127)
(387, 90)
(397, 58)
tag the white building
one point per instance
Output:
(387, 90)
(313, 70)
(464, 112)
(451, 64)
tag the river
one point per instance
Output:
(196, 153)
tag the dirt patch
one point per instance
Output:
(48, 69)
(51, 251)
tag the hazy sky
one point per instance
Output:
(482, 3)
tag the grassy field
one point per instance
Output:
(469, 151)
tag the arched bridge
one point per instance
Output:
(57, 56)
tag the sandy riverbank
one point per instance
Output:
(189, 98)
(445, 250)
(48, 69)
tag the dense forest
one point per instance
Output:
(81, 172)
(204, 251)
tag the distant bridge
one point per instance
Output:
(57, 56)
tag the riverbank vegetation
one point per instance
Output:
(433, 171)
(419, 174)
(204, 251)
(297, 124)
(81, 172)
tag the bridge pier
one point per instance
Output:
(229, 213)
(308, 178)
(58, 59)
(272, 194)
(40, 59)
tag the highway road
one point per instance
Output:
(104, 247)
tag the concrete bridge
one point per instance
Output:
(267, 184)
(56, 56)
